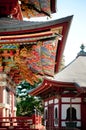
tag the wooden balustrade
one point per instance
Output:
(29, 123)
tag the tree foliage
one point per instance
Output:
(26, 104)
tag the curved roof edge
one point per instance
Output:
(8, 25)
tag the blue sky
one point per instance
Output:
(77, 32)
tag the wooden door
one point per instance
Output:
(50, 120)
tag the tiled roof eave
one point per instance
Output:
(14, 26)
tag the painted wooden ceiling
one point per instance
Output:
(27, 8)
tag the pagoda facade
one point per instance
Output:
(29, 49)
(64, 96)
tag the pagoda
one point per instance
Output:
(65, 95)
(29, 50)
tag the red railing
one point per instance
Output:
(23, 123)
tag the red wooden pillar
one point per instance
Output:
(83, 114)
(34, 121)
